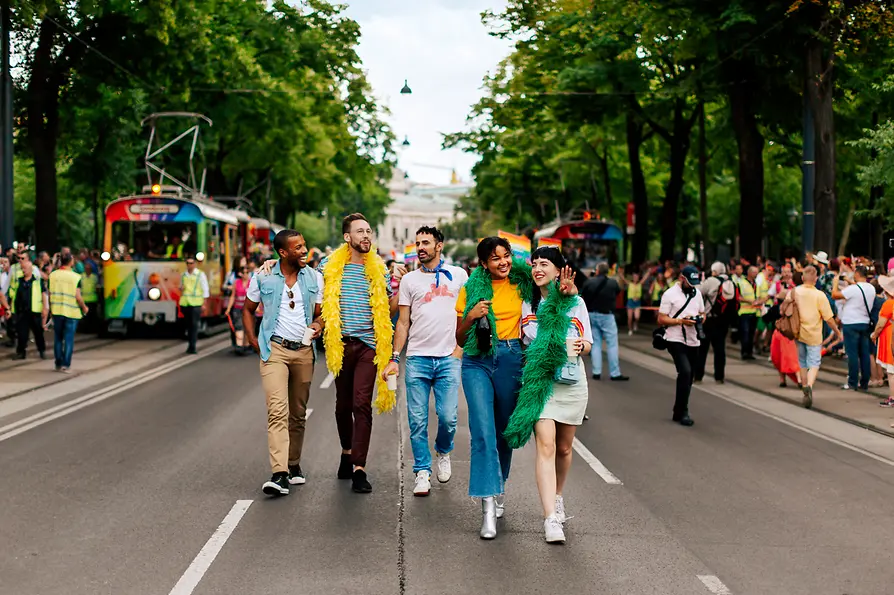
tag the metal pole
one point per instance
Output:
(808, 169)
(7, 230)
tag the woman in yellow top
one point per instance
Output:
(634, 303)
(488, 327)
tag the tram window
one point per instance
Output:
(152, 240)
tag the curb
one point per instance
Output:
(795, 402)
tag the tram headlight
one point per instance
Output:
(200, 256)
(105, 256)
(155, 294)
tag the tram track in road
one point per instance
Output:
(47, 415)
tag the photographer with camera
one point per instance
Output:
(681, 313)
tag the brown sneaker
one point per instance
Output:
(807, 400)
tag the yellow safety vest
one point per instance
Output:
(36, 298)
(169, 253)
(88, 289)
(750, 293)
(192, 290)
(63, 289)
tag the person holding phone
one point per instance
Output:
(682, 307)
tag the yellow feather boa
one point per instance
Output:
(333, 272)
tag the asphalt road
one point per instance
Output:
(120, 497)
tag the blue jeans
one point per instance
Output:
(424, 375)
(64, 330)
(605, 328)
(491, 386)
(857, 346)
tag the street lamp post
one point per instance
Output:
(7, 230)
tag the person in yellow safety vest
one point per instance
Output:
(28, 302)
(90, 293)
(175, 248)
(67, 306)
(193, 293)
(752, 298)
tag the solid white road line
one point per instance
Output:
(595, 463)
(307, 414)
(327, 382)
(203, 560)
(32, 421)
(714, 584)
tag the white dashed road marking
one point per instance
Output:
(595, 463)
(327, 382)
(714, 584)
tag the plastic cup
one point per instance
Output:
(308, 336)
(570, 347)
(391, 382)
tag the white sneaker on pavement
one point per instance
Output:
(423, 483)
(552, 530)
(444, 469)
(560, 509)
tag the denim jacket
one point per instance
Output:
(271, 287)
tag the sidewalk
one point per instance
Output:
(859, 408)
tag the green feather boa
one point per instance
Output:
(543, 358)
(480, 287)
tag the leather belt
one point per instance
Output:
(287, 344)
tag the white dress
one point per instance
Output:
(568, 403)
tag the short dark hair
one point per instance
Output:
(432, 231)
(66, 258)
(346, 222)
(281, 239)
(862, 271)
(488, 245)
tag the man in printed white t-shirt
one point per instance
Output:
(427, 301)
(682, 307)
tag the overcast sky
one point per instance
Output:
(444, 52)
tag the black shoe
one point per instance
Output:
(345, 468)
(747, 357)
(597, 376)
(191, 352)
(620, 378)
(296, 475)
(19, 356)
(360, 483)
(278, 484)
(684, 420)
(43, 355)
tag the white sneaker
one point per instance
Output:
(444, 469)
(630, 333)
(553, 531)
(501, 505)
(560, 509)
(423, 484)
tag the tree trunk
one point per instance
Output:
(708, 253)
(819, 86)
(751, 170)
(606, 178)
(846, 233)
(876, 222)
(42, 105)
(640, 247)
(679, 149)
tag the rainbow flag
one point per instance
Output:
(549, 242)
(521, 245)
(410, 253)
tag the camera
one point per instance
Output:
(700, 328)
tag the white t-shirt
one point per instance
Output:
(291, 322)
(671, 302)
(579, 327)
(432, 313)
(855, 311)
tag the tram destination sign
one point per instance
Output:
(154, 209)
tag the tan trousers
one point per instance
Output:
(286, 378)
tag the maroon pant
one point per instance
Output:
(353, 399)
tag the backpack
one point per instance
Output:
(789, 322)
(723, 308)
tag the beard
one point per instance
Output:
(359, 248)
(429, 259)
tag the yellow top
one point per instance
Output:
(506, 304)
(813, 309)
(635, 291)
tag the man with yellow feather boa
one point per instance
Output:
(358, 303)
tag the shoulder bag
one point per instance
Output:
(658, 340)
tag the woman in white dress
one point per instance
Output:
(557, 379)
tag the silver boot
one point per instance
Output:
(489, 518)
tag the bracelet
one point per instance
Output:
(395, 358)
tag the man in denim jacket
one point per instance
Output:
(291, 294)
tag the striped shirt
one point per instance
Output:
(356, 313)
